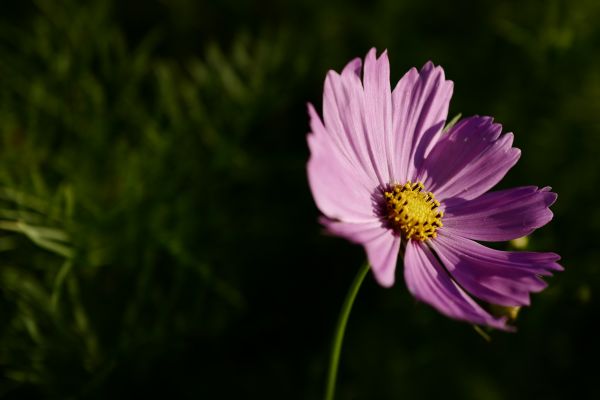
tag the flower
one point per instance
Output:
(387, 175)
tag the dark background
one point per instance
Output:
(158, 237)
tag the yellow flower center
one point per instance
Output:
(413, 212)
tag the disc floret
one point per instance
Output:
(412, 211)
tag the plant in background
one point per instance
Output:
(387, 175)
(101, 263)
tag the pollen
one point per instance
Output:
(412, 211)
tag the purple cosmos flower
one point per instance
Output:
(386, 175)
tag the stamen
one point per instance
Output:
(412, 211)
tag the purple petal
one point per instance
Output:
(381, 245)
(502, 215)
(359, 119)
(469, 160)
(420, 108)
(340, 190)
(499, 277)
(427, 280)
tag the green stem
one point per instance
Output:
(340, 329)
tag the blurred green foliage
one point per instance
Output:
(157, 235)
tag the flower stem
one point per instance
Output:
(340, 329)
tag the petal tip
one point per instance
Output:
(384, 56)
(558, 267)
(549, 197)
(437, 71)
(353, 67)
(428, 66)
(386, 282)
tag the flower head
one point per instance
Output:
(387, 176)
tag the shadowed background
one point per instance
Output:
(158, 237)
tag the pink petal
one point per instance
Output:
(382, 253)
(430, 283)
(378, 110)
(359, 118)
(356, 232)
(420, 107)
(381, 245)
(469, 160)
(502, 215)
(498, 277)
(340, 190)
